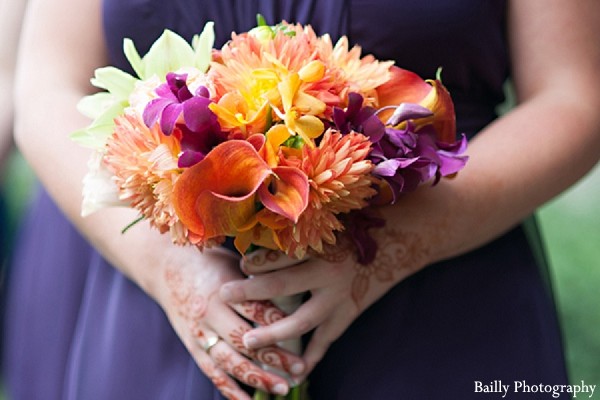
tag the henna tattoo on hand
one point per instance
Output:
(243, 370)
(190, 306)
(270, 355)
(262, 312)
(399, 253)
(221, 381)
(262, 257)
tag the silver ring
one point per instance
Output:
(210, 343)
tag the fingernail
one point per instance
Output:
(226, 294)
(280, 389)
(297, 369)
(250, 341)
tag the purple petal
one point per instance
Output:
(165, 91)
(339, 118)
(452, 164)
(189, 158)
(371, 125)
(377, 154)
(411, 179)
(202, 91)
(457, 147)
(406, 111)
(390, 150)
(177, 84)
(153, 110)
(390, 167)
(404, 140)
(396, 185)
(358, 224)
(198, 117)
(169, 116)
(355, 102)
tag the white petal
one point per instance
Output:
(99, 190)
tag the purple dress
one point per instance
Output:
(78, 329)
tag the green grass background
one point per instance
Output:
(571, 228)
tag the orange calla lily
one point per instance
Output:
(218, 195)
(215, 196)
(407, 87)
(282, 195)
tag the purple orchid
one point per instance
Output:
(406, 157)
(358, 223)
(200, 130)
(405, 152)
(358, 119)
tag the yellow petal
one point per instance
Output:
(309, 127)
(312, 72)
(308, 104)
(288, 89)
(277, 135)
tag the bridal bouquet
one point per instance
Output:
(272, 140)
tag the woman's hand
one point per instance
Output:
(340, 288)
(212, 331)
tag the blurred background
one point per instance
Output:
(571, 229)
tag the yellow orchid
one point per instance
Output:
(299, 108)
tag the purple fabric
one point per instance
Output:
(77, 329)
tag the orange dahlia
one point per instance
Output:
(257, 81)
(144, 164)
(352, 71)
(340, 181)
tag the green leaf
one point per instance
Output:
(117, 82)
(438, 74)
(295, 142)
(203, 46)
(260, 20)
(95, 135)
(133, 57)
(94, 105)
(169, 53)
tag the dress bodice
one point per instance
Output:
(465, 38)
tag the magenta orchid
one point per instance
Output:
(200, 131)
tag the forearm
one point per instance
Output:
(11, 17)
(516, 164)
(6, 122)
(57, 57)
(60, 166)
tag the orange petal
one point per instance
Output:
(407, 87)
(403, 87)
(444, 116)
(274, 139)
(287, 193)
(259, 236)
(216, 196)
